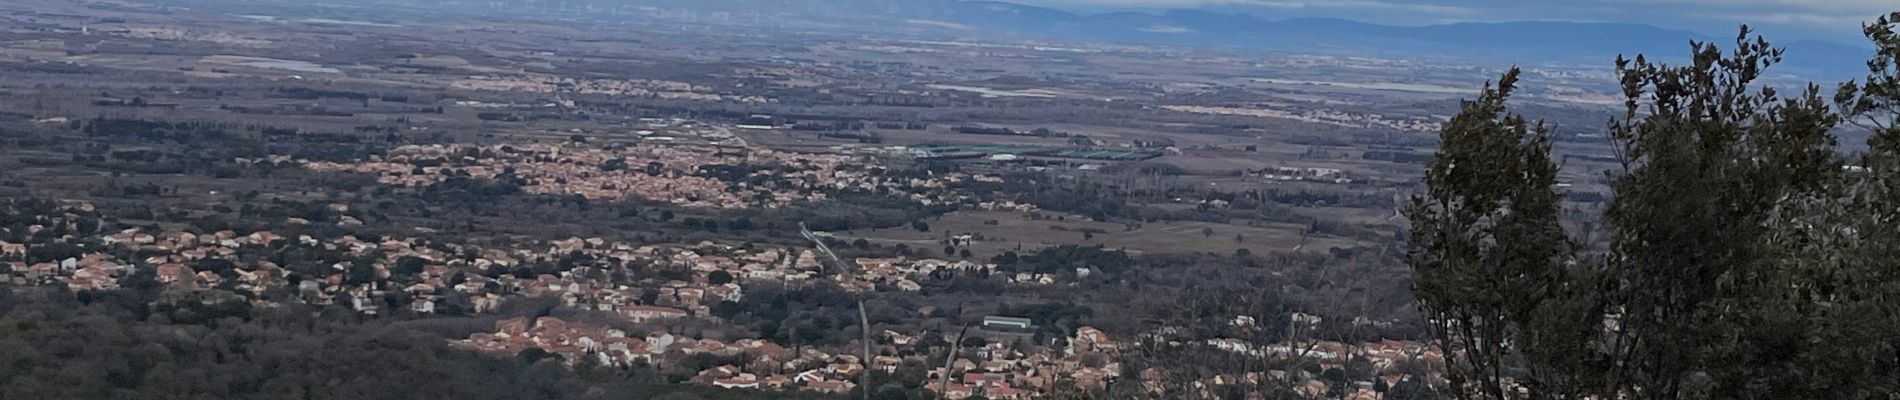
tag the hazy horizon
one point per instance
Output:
(1830, 20)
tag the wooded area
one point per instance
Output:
(1748, 257)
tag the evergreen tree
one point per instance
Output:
(1491, 258)
(1708, 155)
(1841, 276)
(1876, 102)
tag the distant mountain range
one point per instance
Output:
(1526, 42)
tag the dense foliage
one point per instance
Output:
(54, 347)
(1488, 248)
(1747, 258)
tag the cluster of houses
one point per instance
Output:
(1308, 174)
(903, 274)
(1001, 370)
(1327, 117)
(93, 271)
(99, 270)
(767, 366)
(425, 273)
(1391, 361)
(900, 273)
(660, 89)
(429, 274)
(655, 172)
(62, 228)
(647, 172)
(1088, 361)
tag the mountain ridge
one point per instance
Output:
(1530, 42)
(1527, 42)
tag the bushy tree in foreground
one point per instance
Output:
(1748, 258)
(1490, 254)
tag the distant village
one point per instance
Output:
(416, 277)
(687, 176)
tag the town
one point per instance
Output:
(932, 199)
(646, 284)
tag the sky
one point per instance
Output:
(1831, 20)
